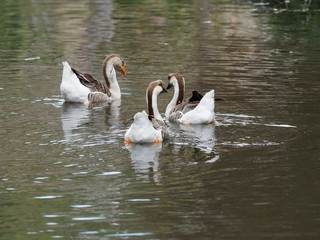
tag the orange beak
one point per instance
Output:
(123, 71)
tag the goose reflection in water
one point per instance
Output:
(145, 160)
(201, 136)
(111, 111)
(76, 116)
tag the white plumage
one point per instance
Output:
(71, 88)
(197, 109)
(203, 113)
(149, 128)
(83, 87)
(142, 130)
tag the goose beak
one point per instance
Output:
(169, 86)
(123, 71)
(164, 90)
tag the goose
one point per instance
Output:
(197, 109)
(83, 87)
(149, 128)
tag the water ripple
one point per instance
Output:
(109, 173)
(128, 234)
(88, 218)
(54, 215)
(48, 197)
(82, 206)
(139, 200)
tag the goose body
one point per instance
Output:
(149, 128)
(195, 110)
(202, 113)
(142, 130)
(83, 87)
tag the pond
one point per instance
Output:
(66, 171)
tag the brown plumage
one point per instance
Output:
(178, 107)
(90, 82)
(160, 125)
(181, 106)
(76, 85)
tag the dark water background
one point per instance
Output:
(65, 171)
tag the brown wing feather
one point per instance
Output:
(185, 107)
(160, 125)
(179, 107)
(182, 108)
(98, 97)
(174, 116)
(89, 81)
(190, 106)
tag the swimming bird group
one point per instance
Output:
(83, 87)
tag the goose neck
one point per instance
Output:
(109, 74)
(177, 98)
(153, 106)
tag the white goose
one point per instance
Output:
(146, 129)
(197, 109)
(82, 87)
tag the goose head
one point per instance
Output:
(116, 61)
(155, 88)
(175, 80)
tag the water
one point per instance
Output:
(66, 171)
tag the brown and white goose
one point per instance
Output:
(83, 87)
(197, 109)
(149, 128)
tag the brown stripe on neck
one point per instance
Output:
(149, 96)
(104, 66)
(181, 89)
